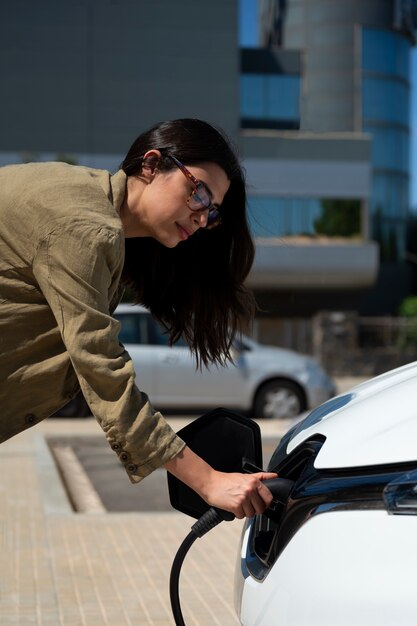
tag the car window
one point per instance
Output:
(241, 345)
(134, 328)
(160, 337)
(141, 328)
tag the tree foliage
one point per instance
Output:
(408, 307)
(339, 218)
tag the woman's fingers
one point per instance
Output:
(244, 495)
(260, 500)
(241, 494)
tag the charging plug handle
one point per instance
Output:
(280, 488)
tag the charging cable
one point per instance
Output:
(280, 489)
(203, 525)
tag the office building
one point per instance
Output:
(345, 69)
(320, 112)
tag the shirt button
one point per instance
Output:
(30, 419)
(132, 468)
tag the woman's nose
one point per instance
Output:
(200, 218)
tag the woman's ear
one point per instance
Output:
(150, 162)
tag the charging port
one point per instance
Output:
(264, 544)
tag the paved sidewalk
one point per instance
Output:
(65, 568)
(69, 569)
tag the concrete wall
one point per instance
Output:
(325, 30)
(304, 265)
(89, 75)
(307, 164)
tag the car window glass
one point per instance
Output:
(141, 328)
(157, 335)
(240, 345)
(134, 328)
(160, 337)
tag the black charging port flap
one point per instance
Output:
(222, 438)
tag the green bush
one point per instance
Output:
(339, 218)
(408, 309)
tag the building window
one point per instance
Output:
(270, 101)
(281, 217)
(390, 194)
(386, 100)
(385, 52)
(390, 148)
(386, 117)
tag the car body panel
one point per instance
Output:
(376, 425)
(145, 362)
(177, 377)
(343, 568)
(342, 549)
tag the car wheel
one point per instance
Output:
(279, 399)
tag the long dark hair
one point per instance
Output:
(196, 290)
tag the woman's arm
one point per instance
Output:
(77, 266)
(244, 495)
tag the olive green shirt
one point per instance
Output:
(61, 258)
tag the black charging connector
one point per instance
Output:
(280, 489)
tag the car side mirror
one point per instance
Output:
(226, 440)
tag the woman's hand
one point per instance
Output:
(244, 495)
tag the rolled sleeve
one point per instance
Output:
(78, 268)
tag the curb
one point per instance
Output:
(80, 489)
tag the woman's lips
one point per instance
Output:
(184, 234)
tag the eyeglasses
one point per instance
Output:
(200, 199)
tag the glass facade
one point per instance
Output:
(285, 216)
(386, 117)
(385, 52)
(270, 100)
(390, 148)
(278, 217)
(386, 100)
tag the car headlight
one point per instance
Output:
(400, 495)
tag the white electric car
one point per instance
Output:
(341, 548)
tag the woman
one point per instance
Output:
(171, 225)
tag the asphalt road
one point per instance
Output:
(111, 481)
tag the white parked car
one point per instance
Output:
(341, 547)
(266, 382)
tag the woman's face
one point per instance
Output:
(156, 202)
